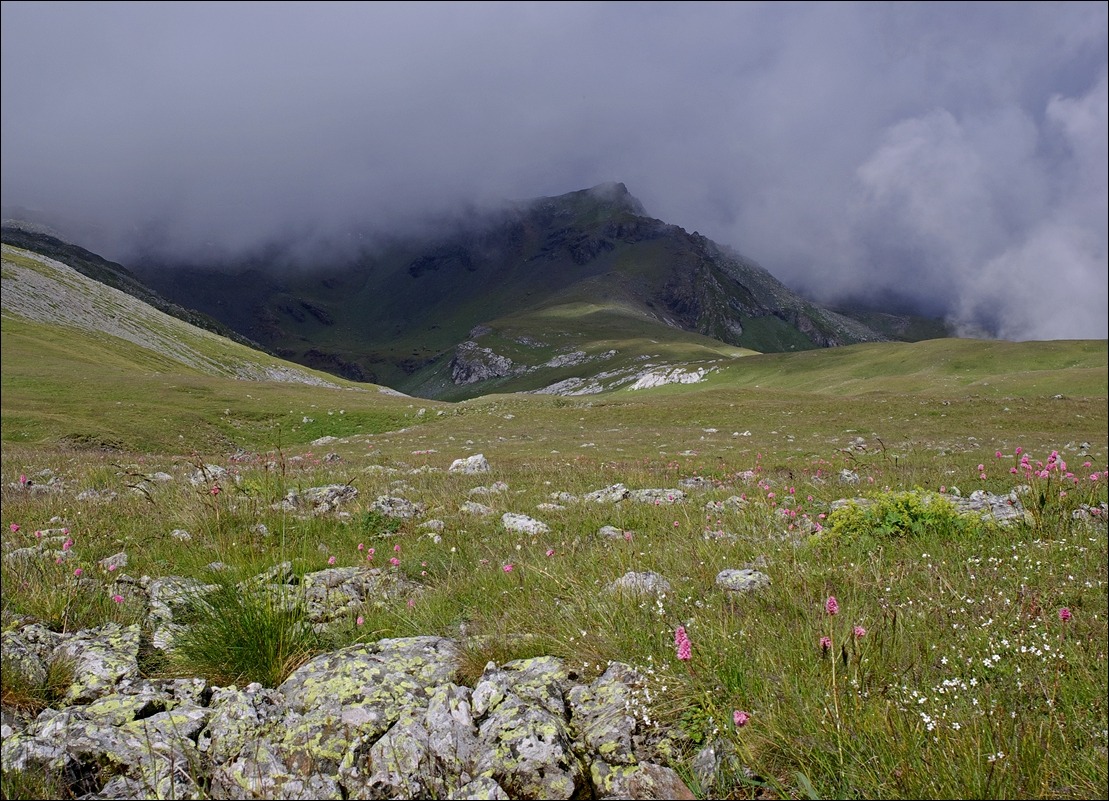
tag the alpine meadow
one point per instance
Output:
(608, 545)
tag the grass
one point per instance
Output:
(965, 683)
(964, 663)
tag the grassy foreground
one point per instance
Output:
(949, 669)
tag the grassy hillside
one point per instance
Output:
(948, 647)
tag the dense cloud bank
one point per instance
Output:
(949, 158)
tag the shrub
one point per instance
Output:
(900, 514)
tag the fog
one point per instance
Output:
(950, 159)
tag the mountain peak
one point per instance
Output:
(607, 198)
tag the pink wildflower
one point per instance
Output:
(78, 572)
(860, 631)
(508, 568)
(394, 561)
(680, 635)
(550, 552)
(215, 490)
(23, 480)
(740, 718)
(1064, 614)
(831, 606)
(117, 598)
(685, 651)
(331, 560)
(396, 548)
(825, 643)
(67, 544)
(359, 621)
(14, 527)
(361, 547)
(998, 454)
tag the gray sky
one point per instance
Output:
(953, 156)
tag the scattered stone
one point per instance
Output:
(613, 533)
(523, 524)
(611, 494)
(113, 562)
(474, 508)
(657, 496)
(645, 583)
(181, 534)
(318, 500)
(470, 465)
(396, 507)
(207, 475)
(848, 476)
(498, 487)
(745, 580)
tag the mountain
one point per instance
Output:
(514, 299)
(42, 241)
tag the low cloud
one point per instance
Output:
(948, 158)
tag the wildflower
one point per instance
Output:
(998, 454)
(411, 603)
(860, 631)
(1064, 614)
(23, 482)
(67, 544)
(508, 568)
(394, 561)
(396, 548)
(831, 606)
(370, 553)
(331, 560)
(825, 644)
(112, 568)
(685, 647)
(117, 598)
(361, 547)
(14, 527)
(359, 621)
(550, 552)
(78, 572)
(215, 490)
(740, 718)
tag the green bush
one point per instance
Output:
(901, 514)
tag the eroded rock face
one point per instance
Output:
(473, 363)
(377, 720)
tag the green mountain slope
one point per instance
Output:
(88, 365)
(400, 314)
